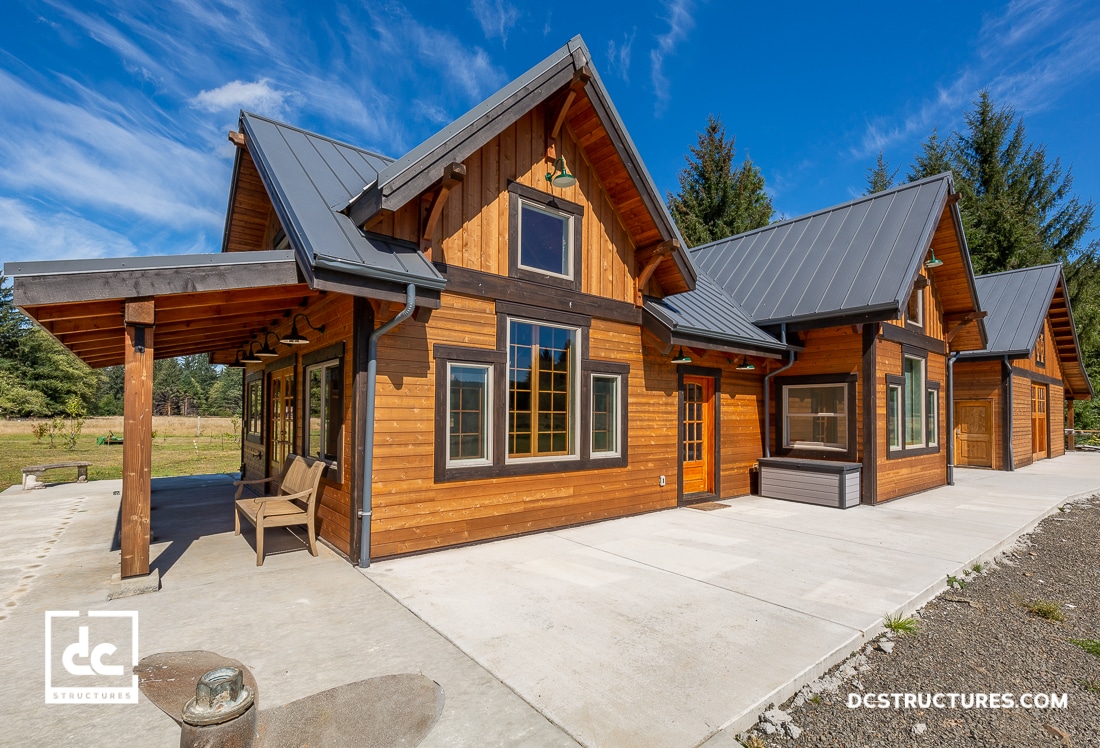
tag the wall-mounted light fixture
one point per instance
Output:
(559, 176)
(267, 351)
(294, 338)
(237, 364)
(932, 261)
(681, 358)
(745, 365)
(251, 358)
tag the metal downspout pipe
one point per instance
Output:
(368, 436)
(1009, 414)
(950, 430)
(767, 393)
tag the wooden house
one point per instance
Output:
(1010, 397)
(501, 331)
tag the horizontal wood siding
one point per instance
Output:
(1021, 421)
(334, 312)
(984, 380)
(412, 512)
(473, 229)
(906, 475)
(741, 403)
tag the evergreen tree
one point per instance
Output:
(879, 177)
(718, 199)
(934, 158)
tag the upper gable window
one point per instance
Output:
(544, 238)
(914, 312)
(1041, 348)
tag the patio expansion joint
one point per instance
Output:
(846, 626)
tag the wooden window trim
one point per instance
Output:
(518, 192)
(810, 453)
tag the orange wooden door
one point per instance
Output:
(697, 449)
(974, 433)
(281, 428)
(1040, 429)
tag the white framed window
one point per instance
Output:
(545, 240)
(469, 420)
(816, 416)
(324, 410)
(893, 416)
(913, 371)
(606, 408)
(931, 418)
(543, 386)
(914, 312)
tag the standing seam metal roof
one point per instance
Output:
(1017, 302)
(857, 257)
(310, 179)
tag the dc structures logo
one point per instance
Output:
(90, 659)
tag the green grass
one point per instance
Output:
(174, 453)
(899, 625)
(1092, 646)
(955, 582)
(1092, 686)
(1046, 609)
(978, 568)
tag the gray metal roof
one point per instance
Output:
(856, 258)
(310, 178)
(709, 312)
(1017, 302)
(154, 262)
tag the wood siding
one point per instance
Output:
(1056, 417)
(1021, 421)
(984, 380)
(334, 311)
(473, 229)
(901, 476)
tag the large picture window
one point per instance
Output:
(323, 382)
(541, 389)
(816, 416)
(469, 402)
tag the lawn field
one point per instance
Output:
(176, 449)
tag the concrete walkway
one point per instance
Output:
(655, 630)
(677, 628)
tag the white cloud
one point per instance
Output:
(36, 233)
(618, 55)
(258, 96)
(680, 22)
(496, 17)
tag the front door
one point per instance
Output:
(697, 449)
(1040, 429)
(281, 430)
(974, 433)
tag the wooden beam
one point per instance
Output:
(654, 258)
(137, 447)
(77, 310)
(236, 138)
(576, 86)
(453, 174)
(960, 322)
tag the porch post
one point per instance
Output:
(1072, 446)
(137, 437)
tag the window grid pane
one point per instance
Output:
(693, 422)
(540, 381)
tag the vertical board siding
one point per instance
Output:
(412, 512)
(335, 312)
(741, 409)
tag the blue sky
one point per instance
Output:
(114, 113)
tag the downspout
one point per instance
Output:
(1009, 416)
(368, 436)
(951, 418)
(767, 392)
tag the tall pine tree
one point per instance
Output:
(879, 177)
(717, 198)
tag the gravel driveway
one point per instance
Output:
(979, 639)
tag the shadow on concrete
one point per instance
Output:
(186, 508)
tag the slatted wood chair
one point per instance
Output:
(291, 501)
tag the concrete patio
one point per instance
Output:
(668, 629)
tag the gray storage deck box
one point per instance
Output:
(810, 481)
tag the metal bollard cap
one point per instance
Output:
(220, 695)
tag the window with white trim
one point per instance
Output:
(914, 312)
(816, 416)
(605, 415)
(545, 239)
(324, 412)
(931, 417)
(469, 404)
(893, 416)
(913, 372)
(542, 389)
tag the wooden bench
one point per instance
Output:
(32, 474)
(291, 501)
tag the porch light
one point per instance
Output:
(267, 351)
(681, 358)
(933, 262)
(251, 358)
(745, 365)
(295, 338)
(237, 364)
(559, 176)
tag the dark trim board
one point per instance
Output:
(916, 340)
(361, 286)
(362, 327)
(716, 374)
(1035, 376)
(501, 288)
(870, 412)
